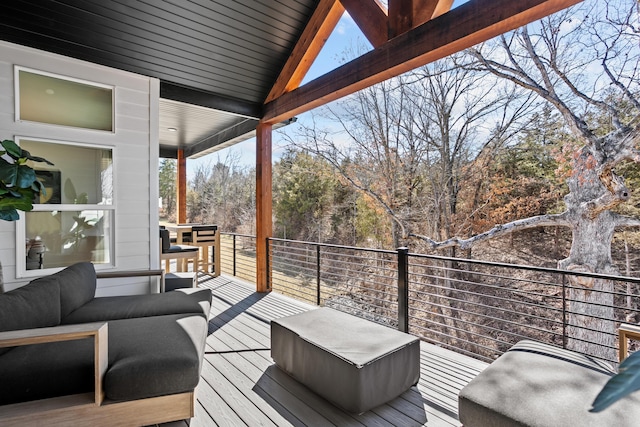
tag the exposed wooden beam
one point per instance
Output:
(315, 35)
(442, 7)
(371, 18)
(407, 14)
(459, 29)
(181, 188)
(264, 201)
(401, 16)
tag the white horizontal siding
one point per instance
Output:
(135, 143)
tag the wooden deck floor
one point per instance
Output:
(241, 386)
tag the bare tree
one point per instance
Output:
(459, 114)
(585, 62)
(407, 140)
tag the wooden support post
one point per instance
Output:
(264, 226)
(182, 188)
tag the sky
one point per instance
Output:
(346, 35)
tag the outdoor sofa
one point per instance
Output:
(69, 358)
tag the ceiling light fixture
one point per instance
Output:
(172, 129)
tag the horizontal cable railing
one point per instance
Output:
(238, 255)
(477, 308)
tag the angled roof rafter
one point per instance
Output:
(322, 23)
(471, 23)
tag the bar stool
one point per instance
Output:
(181, 253)
(205, 236)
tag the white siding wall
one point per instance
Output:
(135, 143)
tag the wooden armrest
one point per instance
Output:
(625, 332)
(98, 331)
(129, 273)
(133, 273)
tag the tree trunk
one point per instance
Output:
(591, 328)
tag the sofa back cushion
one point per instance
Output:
(77, 286)
(35, 305)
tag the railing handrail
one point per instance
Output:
(331, 245)
(529, 268)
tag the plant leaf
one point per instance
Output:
(9, 214)
(27, 155)
(13, 150)
(626, 381)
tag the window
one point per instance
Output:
(48, 98)
(74, 220)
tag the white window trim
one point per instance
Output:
(16, 97)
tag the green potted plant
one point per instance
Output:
(19, 186)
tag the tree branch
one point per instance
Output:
(624, 221)
(498, 230)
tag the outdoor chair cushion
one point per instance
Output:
(539, 385)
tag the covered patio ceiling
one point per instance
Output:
(225, 65)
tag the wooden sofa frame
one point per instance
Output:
(90, 408)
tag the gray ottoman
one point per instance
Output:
(535, 384)
(352, 362)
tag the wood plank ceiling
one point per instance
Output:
(226, 65)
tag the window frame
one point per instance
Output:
(21, 263)
(18, 119)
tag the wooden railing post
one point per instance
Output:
(403, 289)
(264, 226)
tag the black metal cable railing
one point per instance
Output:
(477, 308)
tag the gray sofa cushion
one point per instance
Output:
(35, 305)
(77, 286)
(153, 356)
(194, 301)
(535, 384)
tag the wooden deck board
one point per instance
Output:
(241, 386)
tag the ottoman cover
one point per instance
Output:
(352, 362)
(536, 384)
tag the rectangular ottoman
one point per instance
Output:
(539, 385)
(352, 362)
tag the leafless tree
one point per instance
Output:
(585, 61)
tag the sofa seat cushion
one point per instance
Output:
(154, 356)
(181, 301)
(535, 384)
